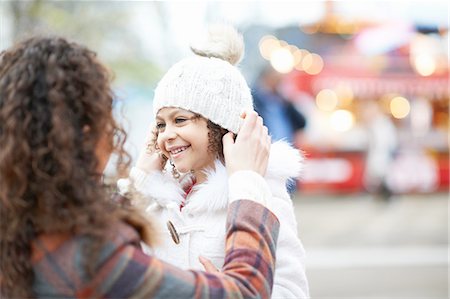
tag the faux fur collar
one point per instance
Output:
(285, 163)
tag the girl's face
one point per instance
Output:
(183, 137)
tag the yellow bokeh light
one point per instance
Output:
(307, 61)
(399, 107)
(267, 45)
(424, 64)
(342, 120)
(292, 48)
(315, 66)
(282, 60)
(298, 58)
(297, 54)
(326, 100)
(284, 44)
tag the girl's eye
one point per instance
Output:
(179, 120)
(160, 126)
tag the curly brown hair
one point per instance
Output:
(55, 105)
(215, 136)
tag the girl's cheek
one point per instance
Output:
(161, 147)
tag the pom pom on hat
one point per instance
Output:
(208, 83)
(222, 42)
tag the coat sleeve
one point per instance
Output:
(290, 277)
(248, 271)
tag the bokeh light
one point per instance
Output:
(424, 64)
(342, 120)
(267, 45)
(299, 56)
(314, 63)
(282, 60)
(326, 100)
(399, 107)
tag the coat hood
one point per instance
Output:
(285, 163)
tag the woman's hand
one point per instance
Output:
(250, 150)
(150, 158)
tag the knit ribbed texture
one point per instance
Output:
(210, 87)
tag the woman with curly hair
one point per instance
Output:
(196, 103)
(61, 235)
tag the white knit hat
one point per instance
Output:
(208, 83)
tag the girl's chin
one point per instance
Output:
(183, 169)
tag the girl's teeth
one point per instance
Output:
(178, 150)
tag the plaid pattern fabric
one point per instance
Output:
(124, 271)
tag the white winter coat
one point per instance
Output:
(201, 223)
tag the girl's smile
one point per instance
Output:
(177, 151)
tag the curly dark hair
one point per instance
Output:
(215, 136)
(55, 106)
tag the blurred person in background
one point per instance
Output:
(61, 236)
(197, 105)
(279, 113)
(382, 146)
(281, 117)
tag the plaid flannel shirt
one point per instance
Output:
(124, 271)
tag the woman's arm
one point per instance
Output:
(247, 273)
(124, 271)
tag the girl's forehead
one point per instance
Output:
(169, 111)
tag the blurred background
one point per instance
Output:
(362, 88)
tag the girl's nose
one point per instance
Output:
(168, 134)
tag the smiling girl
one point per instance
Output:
(197, 102)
